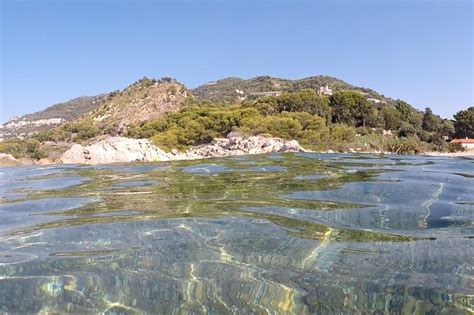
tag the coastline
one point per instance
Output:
(126, 150)
(467, 153)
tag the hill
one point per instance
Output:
(233, 89)
(144, 100)
(50, 117)
(148, 99)
(321, 112)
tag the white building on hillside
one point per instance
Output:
(325, 90)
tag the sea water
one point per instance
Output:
(266, 234)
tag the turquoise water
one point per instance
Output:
(269, 234)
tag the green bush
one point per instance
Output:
(74, 131)
(454, 147)
(409, 145)
(283, 127)
(406, 130)
(342, 133)
(363, 131)
(169, 140)
(81, 130)
(56, 134)
(19, 148)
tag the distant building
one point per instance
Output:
(375, 100)
(39, 122)
(240, 95)
(268, 93)
(466, 143)
(325, 90)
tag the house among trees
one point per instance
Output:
(466, 143)
(325, 90)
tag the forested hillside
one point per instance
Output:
(233, 89)
(343, 121)
(346, 119)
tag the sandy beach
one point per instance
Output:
(467, 153)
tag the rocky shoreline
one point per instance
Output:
(121, 150)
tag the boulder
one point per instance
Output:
(8, 160)
(114, 150)
(44, 161)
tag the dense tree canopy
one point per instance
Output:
(352, 108)
(464, 123)
(430, 121)
(392, 118)
(306, 100)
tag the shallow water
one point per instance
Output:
(291, 233)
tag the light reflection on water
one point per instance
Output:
(293, 233)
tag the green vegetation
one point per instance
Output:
(69, 110)
(29, 148)
(464, 123)
(344, 121)
(225, 90)
(77, 131)
(353, 109)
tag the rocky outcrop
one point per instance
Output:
(10, 160)
(119, 149)
(241, 145)
(114, 150)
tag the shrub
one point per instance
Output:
(74, 131)
(409, 145)
(19, 148)
(454, 147)
(363, 131)
(168, 140)
(283, 127)
(406, 130)
(342, 133)
(56, 134)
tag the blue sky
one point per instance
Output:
(52, 51)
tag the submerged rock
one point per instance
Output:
(120, 149)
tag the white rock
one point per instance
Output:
(119, 149)
(8, 160)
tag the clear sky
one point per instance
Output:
(418, 51)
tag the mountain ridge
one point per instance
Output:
(320, 112)
(144, 106)
(51, 116)
(225, 89)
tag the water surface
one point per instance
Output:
(292, 233)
